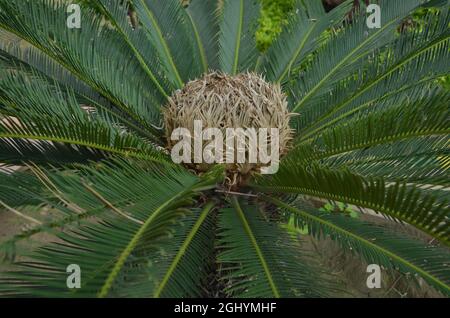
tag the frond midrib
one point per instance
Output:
(375, 142)
(99, 90)
(137, 54)
(163, 42)
(361, 239)
(297, 52)
(120, 262)
(182, 250)
(254, 242)
(306, 136)
(358, 202)
(200, 45)
(386, 74)
(302, 101)
(128, 153)
(61, 223)
(238, 37)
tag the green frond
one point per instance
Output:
(426, 117)
(344, 50)
(50, 73)
(237, 45)
(113, 251)
(261, 260)
(418, 160)
(99, 65)
(300, 37)
(34, 110)
(18, 55)
(136, 39)
(169, 29)
(182, 272)
(21, 189)
(388, 73)
(204, 16)
(377, 244)
(78, 192)
(424, 209)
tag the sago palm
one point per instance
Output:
(87, 113)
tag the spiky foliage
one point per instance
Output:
(81, 114)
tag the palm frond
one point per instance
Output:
(181, 273)
(259, 259)
(301, 35)
(376, 244)
(36, 115)
(98, 64)
(21, 189)
(237, 52)
(415, 56)
(46, 70)
(418, 160)
(136, 39)
(337, 57)
(167, 25)
(203, 15)
(113, 250)
(427, 117)
(424, 209)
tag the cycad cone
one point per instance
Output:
(222, 101)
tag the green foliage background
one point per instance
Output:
(273, 17)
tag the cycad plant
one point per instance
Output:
(84, 113)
